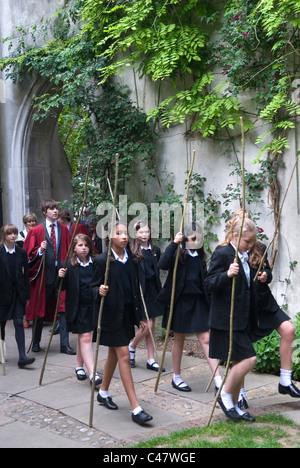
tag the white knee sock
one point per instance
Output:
(285, 377)
(227, 399)
(218, 381)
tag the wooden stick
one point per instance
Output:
(233, 281)
(174, 276)
(2, 353)
(212, 377)
(42, 275)
(149, 324)
(105, 284)
(66, 261)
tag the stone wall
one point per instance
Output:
(33, 164)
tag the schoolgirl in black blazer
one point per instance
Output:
(14, 288)
(269, 317)
(80, 313)
(121, 312)
(219, 282)
(148, 256)
(191, 311)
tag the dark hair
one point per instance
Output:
(188, 230)
(65, 214)
(117, 223)
(136, 244)
(49, 204)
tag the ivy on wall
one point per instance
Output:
(178, 43)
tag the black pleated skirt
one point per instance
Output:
(271, 322)
(190, 315)
(83, 322)
(124, 334)
(154, 308)
(242, 347)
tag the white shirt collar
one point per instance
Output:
(122, 260)
(84, 264)
(10, 251)
(48, 223)
(192, 254)
(147, 248)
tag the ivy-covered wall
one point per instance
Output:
(192, 84)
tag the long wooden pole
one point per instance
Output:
(2, 353)
(233, 279)
(141, 290)
(174, 276)
(66, 261)
(105, 284)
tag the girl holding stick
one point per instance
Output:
(191, 305)
(121, 312)
(81, 320)
(223, 268)
(14, 288)
(270, 317)
(148, 256)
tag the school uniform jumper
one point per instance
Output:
(122, 307)
(150, 281)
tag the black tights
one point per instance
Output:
(19, 335)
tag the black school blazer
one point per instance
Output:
(141, 269)
(167, 262)
(219, 287)
(71, 284)
(114, 303)
(264, 300)
(22, 277)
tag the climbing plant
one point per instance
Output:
(94, 121)
(89, 43)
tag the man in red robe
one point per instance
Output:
(47, 245)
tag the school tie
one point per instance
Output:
(244, 259)
(53, 239)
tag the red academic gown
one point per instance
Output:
(37, 304)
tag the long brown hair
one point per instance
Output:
(89, 243)
(135, 246)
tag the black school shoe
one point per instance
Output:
(233, 414)
(107, 402)
(141, 418)
(25, 362)
(185, 387)
(155, 367)
(291, 390)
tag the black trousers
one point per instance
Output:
(64, 335)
